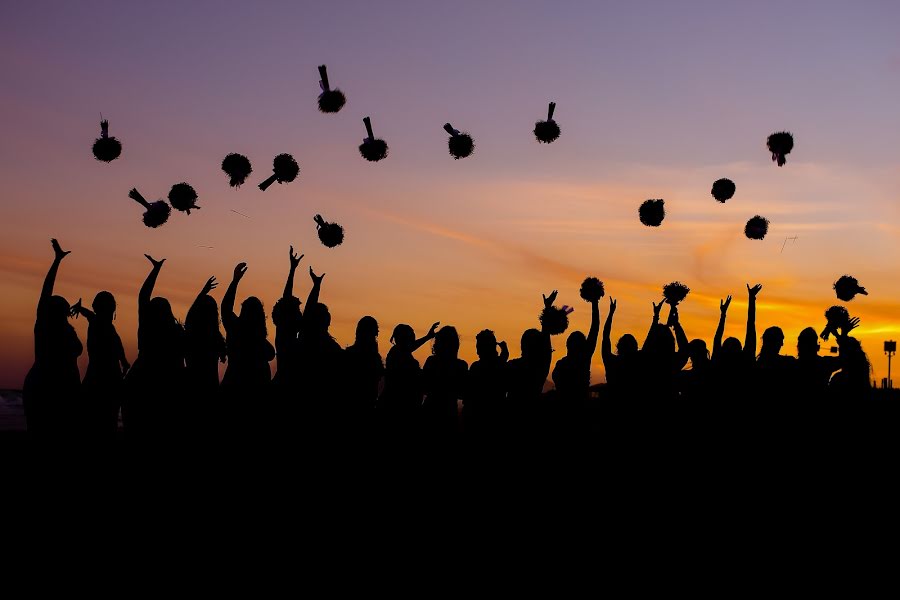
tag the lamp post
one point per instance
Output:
(890, 348)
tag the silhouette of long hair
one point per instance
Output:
(106, 148)
(201, 325)
(446, 342)
(367, 334)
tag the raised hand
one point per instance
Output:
(502, 346)
(849, 326)
(673, 317)
(657, 307)
(239, 271)
(612, 305)
(753, 291)
(317, 279)
(156, 263)
(210, 285)
(723, 304)
(59, 252)
(433, 329)
(295, 259)
(549, 300)
(76, 309)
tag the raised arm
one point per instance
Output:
(595, 328)
(681, 357)
(655, 321)
(209, 286)
(606, 346)
(430, 335)
(720, 330)
(750, 339)
(504, 351)
(289, 284)
(78, 310)
(228, 316)
(50, 279)
(146, 292)
(313, 297)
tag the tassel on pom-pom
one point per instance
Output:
(675, 292)
(652, 212)
(547, 131)
(460, 144)
(183, 197)
(157, 213)
(237, 167)
(106, 149)
(723, 189)
(330, 234)
(847, 287)
(330, 100)
(372, 149)
(837, 317)
(285, 170)
(554, 320)
(780, 145)
(592, 289)
(757, 228)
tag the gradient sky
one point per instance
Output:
(655, 100)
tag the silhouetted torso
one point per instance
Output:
(485, 399)
(444, 383)
(103, 380)
(51, 388)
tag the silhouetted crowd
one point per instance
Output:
(322, 389)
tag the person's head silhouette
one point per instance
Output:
(698, 352)
(576, 344)
(57, 311)
(486, 344)
(403, 337)
(317, 318)
(253, 317)
(104, 306)
(627, 345)
(772, 341)
(286, 313)
(367, 330)
(446, 343)
(532, 342)
(159, 313)
(808, 343)
(202, 316)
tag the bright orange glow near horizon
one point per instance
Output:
(654, 101)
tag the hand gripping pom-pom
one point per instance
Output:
(372, 148)
(106, 149)
(554, 320)
(780, 145)
(757, 228)
(837, 317)
(675, 292)
(285, 170)
(592, 289)
(652, 212)
(330, 100)
(237, 167)
(460, 145)
(723, 189)
(183, 197)
(847, 287)
(330, 234)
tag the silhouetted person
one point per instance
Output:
(364, 370)
(104, 382)
(204, 350)
(660, 360)
(288, 319)
(813, 371)
(401, 399)
(732, 364)
(485, 396)
(572, 374)
(622, 368)
(51, 387)
(775, 372)
(852, 382)
(155, 383)
(694, 383)
(248, 376)
(444, 377)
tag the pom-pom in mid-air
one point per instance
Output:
(330, 100)
(460, 145)
(847, 287)
(237, 167)
(555, 321)
(183, 197)
(285, 170)
(372, 149)
(756, 228)
(157, 212)
(106, 148)
(723, 189)
(547, 131)
(330, 234)
(780, 145)
(837, 317)
(675, 292)
(652, 212)
(591, 289)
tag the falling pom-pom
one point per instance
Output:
(554, 320)
(780, 145)
(330, 101)
(757, 228)
(183, 197)
(847, 287)
(675, 292)
(723, 189)
(330, 234)
(592, 289)
(460, 145)
(372, 149)
(837, 317)
(106, 149)
(547, 131)
(237, 167)
(285, 170)
(652, 212)
(157, 212)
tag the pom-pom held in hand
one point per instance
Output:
(554, 320)
(372, 149)
(675, 292)
(157, 212)
(237, 167)
(460, 144)
(106, 149)
(183, 197)
(652, 212)
(330, 101)
(547, 131)
(723, 189)
(285, 170)
(837, 317)
(330, 234)
(592, 289)
(780, 145)
(757, 228)
(847, 287)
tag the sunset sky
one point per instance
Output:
(655, 100)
